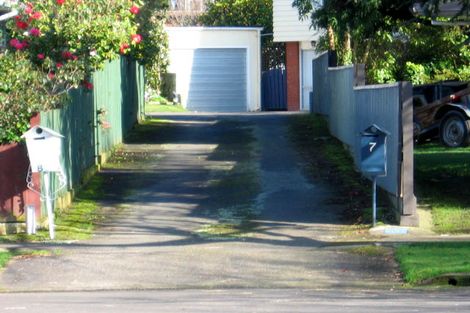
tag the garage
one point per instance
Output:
(217, 69)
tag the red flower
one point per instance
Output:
(58, 65)
(123, 48)
(136, 38)
(51, 75)
(21, 24)
(60, 2)
(14, 42)
(29, 9)
(36, 15)
(35, 32)
(41, 56)
(18, 44)
(87, 84)
(134, 9)
(67, 55)
(105, 125)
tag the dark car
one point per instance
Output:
(442, 109)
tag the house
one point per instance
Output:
(300, 40)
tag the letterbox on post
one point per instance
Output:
(44, 149)
(374, 151)
(374, 159)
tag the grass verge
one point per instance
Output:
(327, 159)
(7, 255)
(160, 104)
(76, 222)
(441, 178)
(370, 251)
(423, 263)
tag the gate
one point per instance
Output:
(274, 90)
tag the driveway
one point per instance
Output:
(209, 201)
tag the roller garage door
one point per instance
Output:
(218, 80)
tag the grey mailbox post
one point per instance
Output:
(374, 159)
(44, 150)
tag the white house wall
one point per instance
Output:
(184, 40)
(288, 27)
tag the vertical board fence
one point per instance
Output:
(96, 120)
(350, 110)
(274, 90)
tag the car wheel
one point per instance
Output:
(454, 130)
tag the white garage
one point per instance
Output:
(218, 69)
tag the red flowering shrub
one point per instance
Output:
(65, 41)
(73, 38)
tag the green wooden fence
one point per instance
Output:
(97, 120)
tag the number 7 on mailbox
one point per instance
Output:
(374, 151)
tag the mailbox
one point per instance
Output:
(374, 151)
(44, 149)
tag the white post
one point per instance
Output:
(31, 220)
(48, 199)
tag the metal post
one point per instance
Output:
(50, 212)
(374, 200)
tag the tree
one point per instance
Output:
(56, 45)
(247, 13)
(385, 36)
(153, 54)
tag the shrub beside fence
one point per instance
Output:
(350, 110)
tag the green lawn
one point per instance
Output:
(158, 104)
(424, 261)
(442, 181)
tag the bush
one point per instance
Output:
(22, 92)
(415, 73)
(153, 54)
(56, 45)
(67, 40)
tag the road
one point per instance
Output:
(236, 300)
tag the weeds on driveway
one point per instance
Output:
(233, 188)
(327, 159)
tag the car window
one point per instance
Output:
(447, 91)
(429, 94)
(418, 101)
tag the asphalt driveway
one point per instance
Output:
(219, 201)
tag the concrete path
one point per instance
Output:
(153, 242)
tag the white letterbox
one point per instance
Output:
(44, 149)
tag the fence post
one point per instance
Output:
(409, 216)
